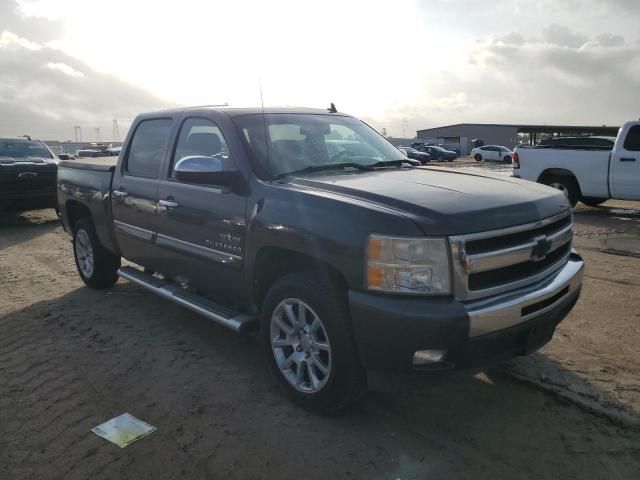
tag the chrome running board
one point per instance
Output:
(238, 322)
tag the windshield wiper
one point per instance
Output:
(329, 166)
(394, 163)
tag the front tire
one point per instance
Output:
(306, 336)
(97, 266)
(568, 185)
(593, 201)
(477, 157)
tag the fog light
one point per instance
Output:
(427, 357)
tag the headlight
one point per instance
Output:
(408, 265)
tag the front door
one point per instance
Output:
(625, 166)
(202, 226)
(135, 192)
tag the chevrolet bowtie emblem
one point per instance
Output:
(541, 248)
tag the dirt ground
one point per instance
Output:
(71, 358)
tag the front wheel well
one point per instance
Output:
(273, 263)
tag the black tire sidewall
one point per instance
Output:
(105, 263)
(593, 202)
(347, 375)
(477, 157)
(570, 185)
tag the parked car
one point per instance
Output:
(27, 175)
(492, 152)
(346, 263)
(591, 171)
(410, 152)
(440, 154)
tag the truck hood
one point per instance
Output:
(29, 160)
(442, 201)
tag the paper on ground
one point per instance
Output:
(123, 430)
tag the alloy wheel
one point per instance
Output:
(300, 345)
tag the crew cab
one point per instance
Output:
(347, 256)
(587, 169)
(27, 174)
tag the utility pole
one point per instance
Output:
(78, 133)
(405, 124)
(116, 131)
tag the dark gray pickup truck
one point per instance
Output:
(27, 175)
(310, 226)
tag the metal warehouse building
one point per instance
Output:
(459, 136)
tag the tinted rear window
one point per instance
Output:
(148, 147)
(632, 142)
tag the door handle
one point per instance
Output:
(627, 159)
(119, 193)
(168, 203)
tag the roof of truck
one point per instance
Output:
(236, 111)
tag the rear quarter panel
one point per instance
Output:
(590, 167)
(91, 188)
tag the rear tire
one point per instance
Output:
(477, 157)
(316, 367)
(568, 185)
(440, 158)
(593, 201)
(97, 266)
(507, 159)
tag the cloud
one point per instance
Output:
(64, 68)
(45, 92)
(567, 78)
(563, 37)
(10, 40)
(609, 40)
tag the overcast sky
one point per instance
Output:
(83, 62)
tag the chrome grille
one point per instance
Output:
(493, 262)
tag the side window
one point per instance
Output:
(632, 142)
(203, 138)
(148, 146)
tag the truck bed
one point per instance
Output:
(99, 164)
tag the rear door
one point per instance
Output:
(625, 165)
(202, 228)
(491, 153)
(135, 191)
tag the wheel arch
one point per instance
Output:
(273, 263)
(75, 211)
(550, 173)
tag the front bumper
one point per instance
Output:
(390, 329)
(28, 200)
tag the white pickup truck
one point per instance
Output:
(587, 171)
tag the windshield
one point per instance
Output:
(23, 149)
(306, 141)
